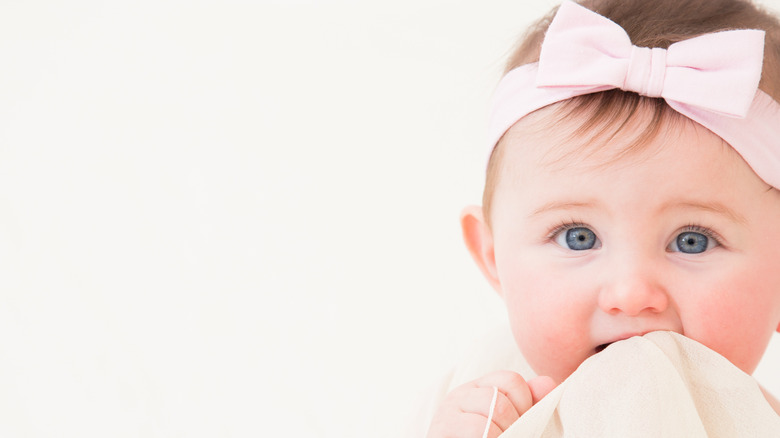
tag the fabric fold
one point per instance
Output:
(658, 385)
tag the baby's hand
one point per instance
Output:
(464, 412)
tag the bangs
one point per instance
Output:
(603, 116)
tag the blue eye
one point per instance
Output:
(691, 242)
(694, 240)
(577, 239)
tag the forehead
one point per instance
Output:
(550, 142)
(546, 155)
(558, 137)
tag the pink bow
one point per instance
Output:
(718, 72)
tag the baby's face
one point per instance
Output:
(682, 236)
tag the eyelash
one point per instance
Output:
(563, 226)
(566, 225)
(703, 230)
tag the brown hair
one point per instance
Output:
(655, 23)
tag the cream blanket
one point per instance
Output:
(659, 385)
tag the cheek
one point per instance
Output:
(736, 317)
(549, 320)
(536, 303)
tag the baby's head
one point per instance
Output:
(607, 214)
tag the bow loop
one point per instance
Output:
(718, 72)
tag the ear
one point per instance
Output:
(479, 241)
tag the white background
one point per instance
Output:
(239, 218)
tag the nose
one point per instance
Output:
(632, 289)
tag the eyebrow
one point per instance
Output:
(558, 205)
(712, 207)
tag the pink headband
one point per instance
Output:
(711, 79)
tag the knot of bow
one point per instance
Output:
(718, 71)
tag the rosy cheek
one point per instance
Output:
(547, 324)
(724, 323)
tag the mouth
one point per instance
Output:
(602, 347)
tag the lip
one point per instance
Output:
(600, 347)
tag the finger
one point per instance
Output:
(493, 431)
(480, 400)
(512, 385)
(540, 387)
(463, 425)
(477, 423)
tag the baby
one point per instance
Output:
(633, 187)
